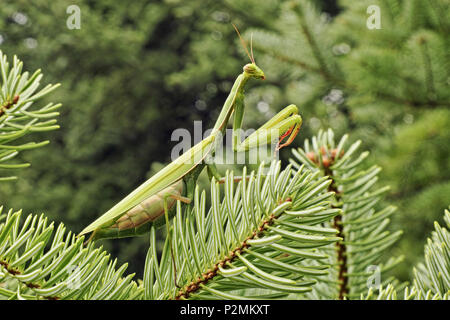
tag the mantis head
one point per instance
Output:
(253, 71)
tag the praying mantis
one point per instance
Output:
(147, 204)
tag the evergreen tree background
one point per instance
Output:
(138, 70)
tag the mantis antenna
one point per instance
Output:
(251, 47)
(245, 45)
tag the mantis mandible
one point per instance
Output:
(145, 206)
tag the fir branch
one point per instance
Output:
(431, 278)
(51, 265)
(361, 228)
(18, 93)
(194, 286)
(311, 40)
(341, 248)
(252, 244)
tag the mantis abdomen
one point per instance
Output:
(139, 219)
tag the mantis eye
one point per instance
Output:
(249, 68)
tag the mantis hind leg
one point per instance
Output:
(90, 238)
(169, 236)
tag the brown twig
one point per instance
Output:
(340, 245)
(30, 285)
(327, 159)
(8, 104)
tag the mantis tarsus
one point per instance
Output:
(145, 206)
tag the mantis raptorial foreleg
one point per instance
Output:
(286, 123)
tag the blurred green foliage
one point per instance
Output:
(138, 70)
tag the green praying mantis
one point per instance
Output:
(146, 205)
